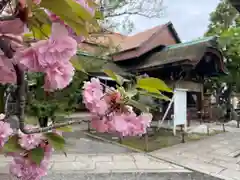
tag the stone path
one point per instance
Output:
(104, 163)
(109, 163)
(217, 155)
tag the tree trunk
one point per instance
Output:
(229, 108)
(43, 121)
(2, 90)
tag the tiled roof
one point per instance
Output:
(121, 42)
(135, 41)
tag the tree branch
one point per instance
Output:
(5, 46)
(131, 13)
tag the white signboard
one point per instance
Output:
(180, 108)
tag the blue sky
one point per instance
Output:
(189, 17)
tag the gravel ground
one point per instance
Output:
(132, 176)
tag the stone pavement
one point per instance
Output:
(217, 155)
(104, 163)
(109, 163)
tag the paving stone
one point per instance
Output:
(140, 157)
(153, 165)
(196, 156)
(204, 167)
(101, 158)
(4, 167)
(231, 174)
(73, 166)
(63, 158)
(223, 151)
(225, 164)
(121, 165)
(5, 159)
(83, 158)
(213, 155)
(122, 157)
(235, 153)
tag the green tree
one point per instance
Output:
(225, 23)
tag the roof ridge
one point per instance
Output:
(156, 32)
(204, 39)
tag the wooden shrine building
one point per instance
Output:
(160, 53)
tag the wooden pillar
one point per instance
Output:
(201, 104)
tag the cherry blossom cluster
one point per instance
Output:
(22, 166)
(110, 114)
(51, 56)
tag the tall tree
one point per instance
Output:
(225, 23)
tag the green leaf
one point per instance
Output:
(65, 129)
(131, 93)
(28, 36)
(80, 10)
(137, 105)
(36, 155)
(57, 141)
(64, 10)
(12, 145)
(154, 95)
(114, 76)
(99, 15)
(76, 64)
(150, 83)
(39, 30)
(150, 89)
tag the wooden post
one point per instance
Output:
(146, 141)
(238, 121)
(120, 139)
(182, 134)
(208, 132)
(201, 104)
(89, 127)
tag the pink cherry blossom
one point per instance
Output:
(93, 97)
(5, 132)
(71, 32)
(52, 57)
(24, 2)
(15, 27)
(8, 74)
(37, 1)
(121, 119)
(58, 76)
(24, 169)
(100, 124)
(30, 141)
(86, 6)
(46, 53)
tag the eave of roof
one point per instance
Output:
(236, 4)
(184, 53)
